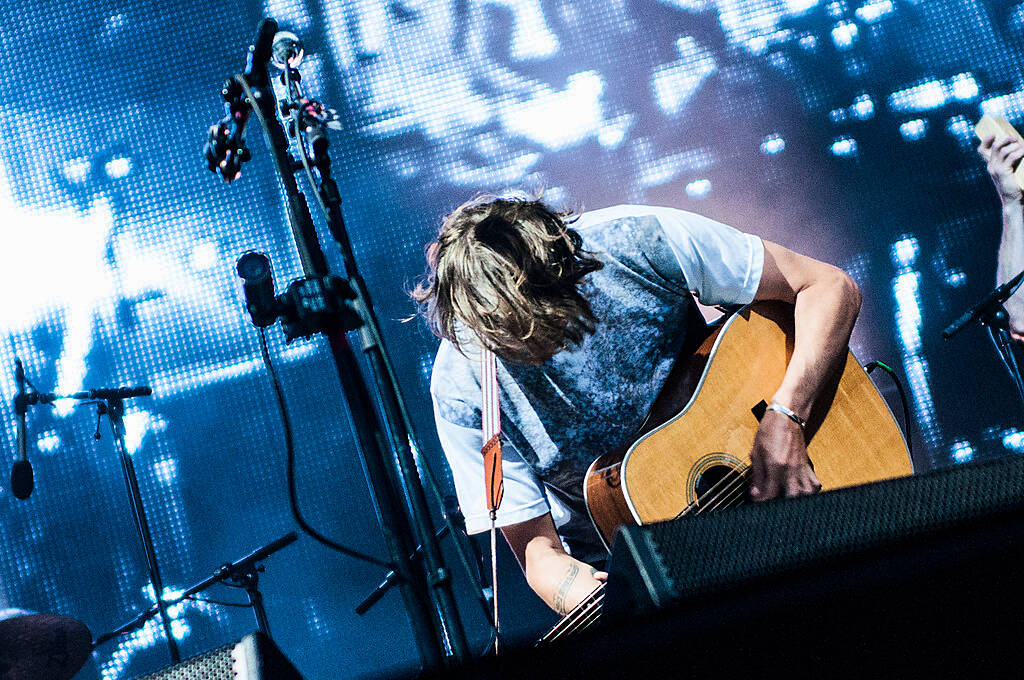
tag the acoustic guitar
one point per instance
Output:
(693, 453)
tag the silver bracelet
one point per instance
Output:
(789, 413)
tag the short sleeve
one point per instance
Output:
(524, 497)
(722, 265)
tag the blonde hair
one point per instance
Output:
(507, 270)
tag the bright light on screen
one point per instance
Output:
(841, 129)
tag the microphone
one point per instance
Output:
(114, 393)
(22, 477)
(287, 50)
(258, 285)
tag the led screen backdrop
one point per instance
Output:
(840, 129)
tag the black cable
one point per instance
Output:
(999, 348)
(282, 405)
(872, 365)
(1011, 360)
(293, 498)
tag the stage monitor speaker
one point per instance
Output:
(954, 521)
(911, 577)
(254, 657)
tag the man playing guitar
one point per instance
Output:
(586, 316)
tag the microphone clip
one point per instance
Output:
(22, 476)
(22, 401)
(225, 150)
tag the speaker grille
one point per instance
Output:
(213, 665)
(254, 657)
(701, 555)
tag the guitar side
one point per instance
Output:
(852, 436)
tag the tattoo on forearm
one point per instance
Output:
(563, 590)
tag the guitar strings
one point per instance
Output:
(571, 622)
(713, 492)
(588, 605)
(592, 614)
(588, 611)
(570, 619)
(732, 493)
(588, 619)
(731, 481)
(724, 501)
(726, 497)
(567, 621)
(585, 619)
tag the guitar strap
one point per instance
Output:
(494, 486)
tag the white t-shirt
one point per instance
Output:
(558, 417)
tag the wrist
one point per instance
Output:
(793, 398)
(789, 414)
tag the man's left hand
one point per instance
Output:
(778, 461)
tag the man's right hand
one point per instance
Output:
(1003, 155)
(779, 465)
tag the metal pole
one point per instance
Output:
(370, 432)
(250, 580)
(115, 411)
(396, 415)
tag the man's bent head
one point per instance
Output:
(507, 270)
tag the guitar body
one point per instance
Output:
(690, 456)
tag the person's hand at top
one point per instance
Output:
(1002, 155)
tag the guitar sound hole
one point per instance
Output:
(720, 486)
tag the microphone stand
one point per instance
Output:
(22, 477)
(110, 402)
(991, 314)
(114, 408)
(392, 479)
(243, 572)
(396, 414)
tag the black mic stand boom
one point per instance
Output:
(991, 313)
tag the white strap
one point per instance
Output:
(490, 414)
(490, 407)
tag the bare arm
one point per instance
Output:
(1003, 156)
(1011, 263)
(559, 579)
(826, 302)
(825, 305)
